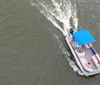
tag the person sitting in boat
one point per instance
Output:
(79, 48)
(95, 57)
(81, 55)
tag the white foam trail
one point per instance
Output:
(59, 11)
(48, 12)
(75, 19)
(33, 4)
(67, 54)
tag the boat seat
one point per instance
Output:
(87, 66)
(96, 61)
(87, 46)
(90, 45)
(98, 57)
(80, 54)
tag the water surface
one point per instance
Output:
(33, 50)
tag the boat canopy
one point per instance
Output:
(83, 37)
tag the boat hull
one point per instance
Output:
(77, 61)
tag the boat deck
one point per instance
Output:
(88, 54)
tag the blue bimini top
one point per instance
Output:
(83, 37)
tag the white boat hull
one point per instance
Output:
(77, 61)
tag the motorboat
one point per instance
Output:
(80, 43)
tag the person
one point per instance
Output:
(87, 65)
(81, 55)
(79, 48)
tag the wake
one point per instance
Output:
(62, 11)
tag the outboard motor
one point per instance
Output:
(71, 30)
